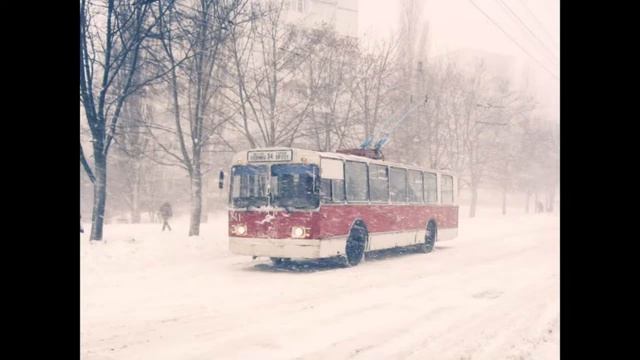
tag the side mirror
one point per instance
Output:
(221, 180)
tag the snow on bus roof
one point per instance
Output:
(341, 156)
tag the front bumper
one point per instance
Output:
(287, 248)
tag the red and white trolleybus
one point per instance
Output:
(293, 203)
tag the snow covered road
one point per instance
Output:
(492, 293)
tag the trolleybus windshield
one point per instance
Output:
(291, 186)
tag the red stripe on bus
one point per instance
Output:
(336, 220)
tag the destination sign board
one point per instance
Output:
(269, 155)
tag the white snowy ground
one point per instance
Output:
(492, 293)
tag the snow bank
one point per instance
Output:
(492, 293)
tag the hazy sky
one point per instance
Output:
(457, 24)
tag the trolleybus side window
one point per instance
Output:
(356, 181)
(337, 190)
(378, 183)
(430, 188)
(332, 183)
(447, 189)
(415, 186)
(398, 184)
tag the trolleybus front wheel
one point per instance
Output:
(280, 261)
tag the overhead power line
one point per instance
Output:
(514, 40)
(510, 10)
(539, 23)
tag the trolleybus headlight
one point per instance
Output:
(298, 232)
(239, 229)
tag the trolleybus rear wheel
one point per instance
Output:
(430, 237)
(356, 244)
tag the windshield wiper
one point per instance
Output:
(247, 204)
(281, 204)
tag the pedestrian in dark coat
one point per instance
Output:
(166, 214)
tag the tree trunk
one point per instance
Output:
(196, 201)
(99, 195)
(526, 208)
(550, 199)
(205, 204)
(135, 197)
(474, 200)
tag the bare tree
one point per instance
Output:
(412, 39)
(329, 84)
(507, 122)
(440, 122)
(134, 145)
(539, 174)
(192, 40)
(266, 89)
(376, 89)
(112, 37)
(474, 132)
(489, 133)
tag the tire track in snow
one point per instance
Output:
(328, 299)
(345, 312)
